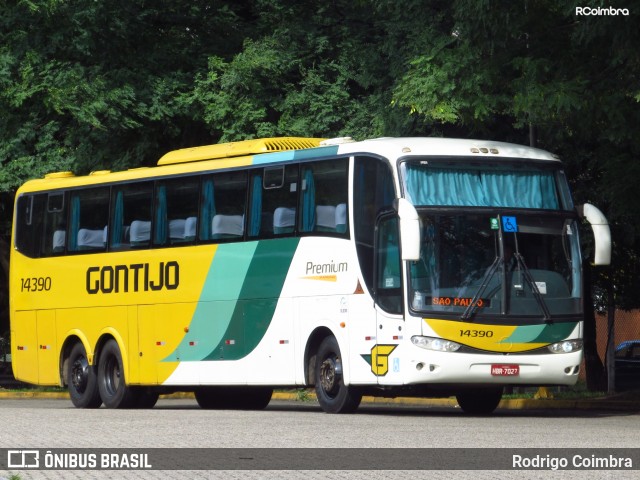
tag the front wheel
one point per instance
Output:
(333, 395)
(82, 379)
(480, 401)
(111, 382)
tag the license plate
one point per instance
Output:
(505, 370)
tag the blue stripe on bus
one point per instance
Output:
(288, 155)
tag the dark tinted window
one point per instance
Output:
(373, 193)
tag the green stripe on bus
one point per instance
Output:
(549, 333)
(218, 301)
(257, 300)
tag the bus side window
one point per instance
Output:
(274, 193)
(88, 218)
(55, 235)
(373, 191)
(29, 234)
(223, 197)
(131, 216)
(388, 266)
(324, 193)
(176, 211)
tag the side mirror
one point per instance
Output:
(601, 233)
(409, 230)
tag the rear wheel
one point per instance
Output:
(481, 401)
(145, 397)
(333, 395)
(82, 379)
(111, 382)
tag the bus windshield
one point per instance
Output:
(469, 267)
(497, 242)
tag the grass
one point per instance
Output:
(563, 393)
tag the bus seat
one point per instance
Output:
(341, 218)
(176, 230)
(190, 228)
(140, 232)
(91, 239)
(325, 218)
(284, 219)
(59, 237)
(227, 226)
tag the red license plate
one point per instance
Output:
(505, 370)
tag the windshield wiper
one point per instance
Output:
(522, 267)
(534, 287)
(473, 306)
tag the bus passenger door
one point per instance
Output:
(388, 281)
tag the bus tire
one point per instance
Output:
(146, 397)
(333, 395)
(212, 398)
(111, 382)
(253, 398)
(480, 401)
(82, 379)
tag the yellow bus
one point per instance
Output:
(392, 266)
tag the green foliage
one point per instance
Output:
(92, 85)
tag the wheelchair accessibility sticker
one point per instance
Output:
(509, 224)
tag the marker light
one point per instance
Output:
(436, 344)
(566, 346)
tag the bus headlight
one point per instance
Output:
(436, 344)
(566, 346)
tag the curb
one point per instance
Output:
(507, 404)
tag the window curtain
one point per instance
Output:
(308, 202)
(451, 187)
(118, 220)
(74, 227)
(160, 232)
(256, 206)
(519, 190)
(207, 209)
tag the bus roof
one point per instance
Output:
(238, 149)
(393, 148)
(243, 153)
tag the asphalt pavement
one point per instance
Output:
(628, 401)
